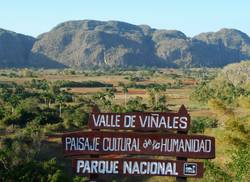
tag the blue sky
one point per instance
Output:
(189, 16)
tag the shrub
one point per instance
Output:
(199, 124)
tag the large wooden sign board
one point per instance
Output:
(130, 166)
(171, 141)
(140, 121)
(97, 142)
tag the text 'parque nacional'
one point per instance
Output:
(137, 167)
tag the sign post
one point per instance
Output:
(182, 112)
(120, 138)
(94, 177)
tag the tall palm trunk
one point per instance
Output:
(125, 99)
(156, 99)
(60, 109)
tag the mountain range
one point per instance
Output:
(89, 43)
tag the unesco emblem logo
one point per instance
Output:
(190, 169)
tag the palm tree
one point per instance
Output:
(48, 97)
(14, 100)
(151, 97)
(124, 90)
(110, 92)
(61, 98)
(12, 96)
(100, 98)
(155, 93)
(162, 103)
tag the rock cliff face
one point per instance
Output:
(14, 49)
(15, 52)
(89, 43)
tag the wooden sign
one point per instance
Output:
(179, 121)
(97, 142)
(132, 166)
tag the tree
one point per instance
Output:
(14, 100)
(202, 92)
(47, 97)
(240, 164)
(162, 103)
(156, 95)
(218, 88)
(136, 105)
(61, 98)
(237, 134)
(102, 99)
(23, 147)
(54, 89)
(111, 92)
(151, 97)
(34, 171)
(215, 173)
(47, 116)
(75, 116)
(125, 91)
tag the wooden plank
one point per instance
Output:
(179, 121)
(131, 166)
(94, 177)
(181, 178)
(181, 145)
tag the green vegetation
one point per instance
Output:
(63, 83)
(48, 102)
(199, 124)
(176, 85)
(228, 97)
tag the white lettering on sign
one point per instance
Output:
(105, 120)
(121, 144)
(143, 167)
(150, 121)
(129, 121)
(109, 144)
(156, 121)
(135, 144)
(81, 143)
(94, 166)
(185, 145)
(128, 167)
